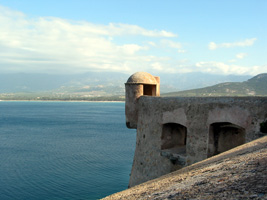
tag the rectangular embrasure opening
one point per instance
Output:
(150, 90)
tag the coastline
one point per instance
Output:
(63, 101)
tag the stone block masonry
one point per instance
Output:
(175, 132)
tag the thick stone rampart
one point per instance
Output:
(175, 132)
(240, 173)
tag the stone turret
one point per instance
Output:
(175, 132)
(139, 84)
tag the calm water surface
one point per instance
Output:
(63, 150)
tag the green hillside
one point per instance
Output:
(256, 86)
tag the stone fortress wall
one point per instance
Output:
(174, 132)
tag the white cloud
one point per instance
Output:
(131, 49)
(126, 29)
(232, 60)
(244, 43)
(181, 51)
(55, 44)
(171, 44)
(157, 66)
(212, 46)
(153, 44)
(222, 68)
(241, 55)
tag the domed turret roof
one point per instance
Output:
(142, 77)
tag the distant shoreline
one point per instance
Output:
(67, 101)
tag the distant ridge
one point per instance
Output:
(256, 86)
(96, 86)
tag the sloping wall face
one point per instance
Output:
(133, 92)
(210, 125)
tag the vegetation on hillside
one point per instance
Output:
(256, 86)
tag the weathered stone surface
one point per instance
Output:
(174, 132)
(141, 78)
(240, 173)
(197, 115)
(139, 84)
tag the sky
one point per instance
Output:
(171, 36)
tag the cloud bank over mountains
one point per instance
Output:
(56, 45)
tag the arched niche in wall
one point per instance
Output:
(224, 136)
(173, 135)
(173, 142)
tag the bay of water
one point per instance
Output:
(63, 150)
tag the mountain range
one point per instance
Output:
(110, 85)
(255, 86)
(105, 83)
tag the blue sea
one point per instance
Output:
(63, 150)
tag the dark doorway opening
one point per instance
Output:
(224, 136)
(173, 142)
